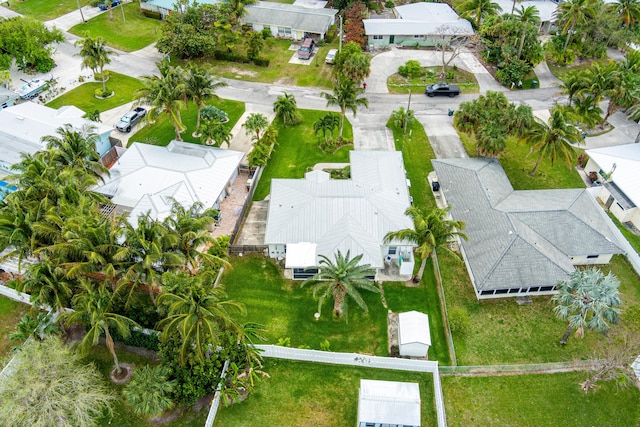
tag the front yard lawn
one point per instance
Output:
(135, 33)
(10, 313)
(287, 310)
(83, 95)
(464, 79)
(298, 150)
(44, 10)
(161, 132)
(537, 400)
(315, 394)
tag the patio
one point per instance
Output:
(231, 206)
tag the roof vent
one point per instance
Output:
(19, 117)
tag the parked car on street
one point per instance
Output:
(129, 120)
(306, 49)
(442, 89)
(331, 56)
(105, 5)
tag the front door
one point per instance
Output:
(391, 38)
(609, 202)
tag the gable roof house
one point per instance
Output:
(148, 178)
(317, 216)
(522, 242)
(618, 168)
(22, 127)
(290, 20)
(417, 24)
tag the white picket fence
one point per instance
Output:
(215, 404)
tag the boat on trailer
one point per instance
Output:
(31, 88)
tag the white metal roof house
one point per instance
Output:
(22, 127)
(414, 335)
(418, 24)
(389, 404)
(619, 169)
(290, 20)
(522, 242)
(147, 178)
(317, 215)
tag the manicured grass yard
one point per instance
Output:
(287, 310)
(297, 151)
(464, 79)
(135, 33)
(44, 10)
(83, 95)
(314, 394)
(10, 314)
(537, 400)
(161, 132)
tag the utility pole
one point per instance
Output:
(339, 34)
(406, 119)
(81, 14)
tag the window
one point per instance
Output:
(546, 288)
(378, 37)
(418, 37)
(282, 31)
(393, 250)
(592, 256)
(534, 289)
(501, 291)
(514, 290)
(486, 293)
(304, 273)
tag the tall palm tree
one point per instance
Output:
(622, 91)
(255, 124)
(479, 9)
(588, 300)
(431, 230)
(572, 13)
(572, 84)
(599, 77)
(342, 278)
(528, 16)
(286, 108)
(628, 11)
(165, 94)
(345, 96)
(239, 8)
(201, 86)
(94, 307)
(553, 139)
(197, 311)
(95, 55)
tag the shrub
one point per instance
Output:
(138, 339)
(153, 15)
(389, 4)
(99, 93)
(582, 160)
(411, 68)
(261, 62)
(459, 320)
(214, 113)
(98, 76)
(230, 56)
(266, 33)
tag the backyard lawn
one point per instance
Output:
(297, 151)
(44, 10)
(83, 95)
(631, 237)
(135, 33)
(161, 132)
(279, 71)
(537, 400)
(10, 314)
(464, 79)
(315, 394)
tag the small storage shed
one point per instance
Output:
(389, 404)
(414, 336)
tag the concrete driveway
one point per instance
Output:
(443, 137)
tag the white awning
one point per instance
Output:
(301, 255)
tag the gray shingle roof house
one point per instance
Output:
(290, 21)
(423, 24)
(521, 242)
(317, 215)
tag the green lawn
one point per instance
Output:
(135, 33)
(314, 394)
(537, 400)
(632, 238)
(297, 151)
(560, 71)
(83, 95)
(317, 74)
(287, 310)
(10, 313)
(464, 79)
(162, 133)
(44, 10)
(517, 166)
(123, 415)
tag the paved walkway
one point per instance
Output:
(545, 77)
(241, 140)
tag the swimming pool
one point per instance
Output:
(6, 188)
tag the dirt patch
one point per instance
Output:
(241, 73)
(286, 81)
(124, 376)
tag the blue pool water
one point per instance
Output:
(6, 188)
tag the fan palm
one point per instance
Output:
(345, 96)
(149, 392)
(342, 278)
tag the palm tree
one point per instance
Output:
(572, 84)
(255, 124)
(200, 86)
(165, 94)
(326, 124)
(402, 117)
(628, 11)
(491, 140)
(343, 278)
(553, 139)
(197, 311)
(528, 16)
(95, 55)
(572, 13)
(587, 109)
(345, 96)
(599, 77)
(149, 391)
(47, 285)
(479, 9)
(587, 299)
(94, 307)
(431, 230)
(214, 132)
(622, 91)
(286, 108)
(239, 8)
